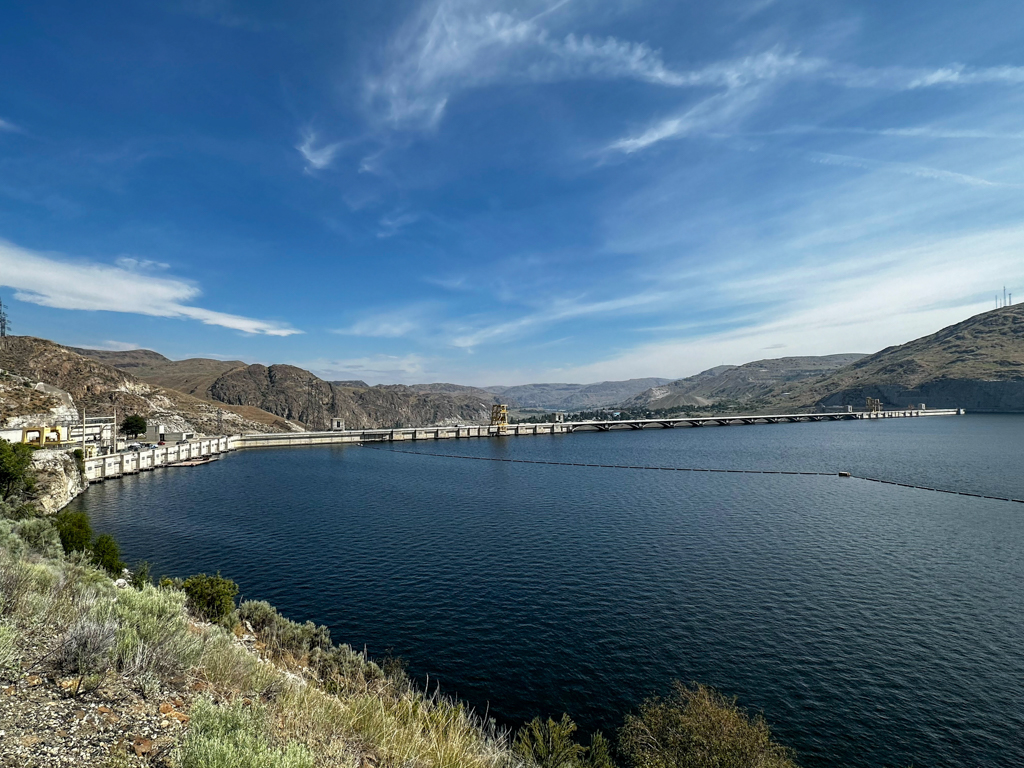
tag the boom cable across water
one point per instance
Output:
(695, 469)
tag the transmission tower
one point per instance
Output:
(3, 320)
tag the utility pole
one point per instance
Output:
(83, 433)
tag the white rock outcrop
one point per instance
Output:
(58, 480)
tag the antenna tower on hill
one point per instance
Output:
(3, 320)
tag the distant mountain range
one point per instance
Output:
(574, 397)
(977, 364)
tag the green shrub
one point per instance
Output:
(79, 455)
(15, 468)
(550, 744)
(141, 575)
(281, 634)
(236, 736)
(75, 531)
(698, 727)
(212, 597)
(107, 554)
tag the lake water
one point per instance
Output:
(874, 625)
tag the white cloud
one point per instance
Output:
(63, 284)
(8, 127)
(113, 346)
(709, 114)
(454, 45)
(132, 264)
(909, 169)
(317, 157)
(563, 309)
(391, 224)
(958, 74)
(381, 326)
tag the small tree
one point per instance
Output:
(75, 531)
(107, 554)
(15, 468)
(133, 425)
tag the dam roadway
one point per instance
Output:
(100, 468)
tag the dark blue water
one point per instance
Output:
(874, 625)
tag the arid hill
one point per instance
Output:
(193, 376)
(98, 388)
(977, 364)
(739, 383)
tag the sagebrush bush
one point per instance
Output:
(8, 648)
(40, 537)
(212, 597)
(15, 582)
(236, 736)
(698, 727)
(85, 648)
(153, 634)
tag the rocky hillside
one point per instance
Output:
(977, 364)
(297, 394)
(739, 383)
(573, 397)
(98, 387)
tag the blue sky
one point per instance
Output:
(487, 192)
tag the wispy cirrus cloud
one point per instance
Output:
(317, 155)
(559, 310)
(50, 281)
(921, 171)
(455, 45)
(8, 127)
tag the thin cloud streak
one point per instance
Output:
(919, 171)
(51, 282)
(317, 157)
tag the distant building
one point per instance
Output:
(337, 425)
(161, 433)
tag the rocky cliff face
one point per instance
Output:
(294, 393)
(58, 481)
(98, 388)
